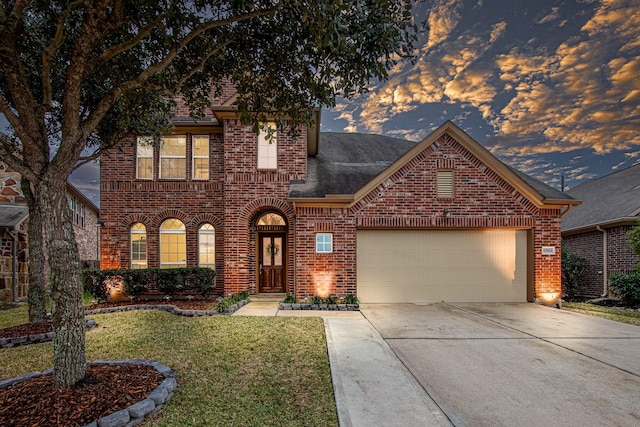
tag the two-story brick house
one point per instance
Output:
(328, 213)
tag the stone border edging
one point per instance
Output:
(170, 308)
(35, 338)
(320, 307)
(133, 414)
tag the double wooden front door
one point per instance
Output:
(271, 263)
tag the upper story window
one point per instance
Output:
(445, 184)
(144, 158)
(200, 150)
(173, 157)
(77, 210)
(207, 246)
(173, 244)
(268, 147)
(138, 246)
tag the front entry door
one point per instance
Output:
(271, 268)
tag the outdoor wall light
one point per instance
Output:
(447, 213)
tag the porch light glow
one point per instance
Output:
(323, 282)
(549, 297)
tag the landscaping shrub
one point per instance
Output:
(574, 270)
(290, 299)
(627, 287)
(94, 283)
(232, 299)
(351, 299)
(169, 281)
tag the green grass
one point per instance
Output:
(232, 370)
(624, 316)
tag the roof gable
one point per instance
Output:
(393, 155)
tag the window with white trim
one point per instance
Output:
(138, 246)
(200, 153)
(173, 157)
(173, 244)
(445, 184)
(77, 210)
(268, 147)
(324, 243)
(207, 246)
(144, 158)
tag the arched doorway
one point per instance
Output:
(271, 254)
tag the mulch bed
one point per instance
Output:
(42, 328)
(105, 390)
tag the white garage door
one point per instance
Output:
(442, 265)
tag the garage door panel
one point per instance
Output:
(437, 265)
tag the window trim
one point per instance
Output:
(323, 244)
(183, 157)
(212, 232)
(146, 252)
(194, 157)
(139, 156)
(182, 232)
(264, 161)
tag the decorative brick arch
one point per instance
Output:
(128, 220)
(170, 213)
(251, 209)
(198, 220)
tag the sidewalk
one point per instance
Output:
(372, 387)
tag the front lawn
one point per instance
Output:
(231, 370)
(619, 315)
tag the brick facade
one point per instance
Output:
(237, 193)
(590, 245)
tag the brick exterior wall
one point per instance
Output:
(237, 193)
(408, 200)
(590, 245)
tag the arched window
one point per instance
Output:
(173, 244)
(138, 246)
(207, 246)
(271, 218)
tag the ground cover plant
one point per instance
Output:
(619, 315)
(231, 370)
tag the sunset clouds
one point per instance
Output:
(554, 81)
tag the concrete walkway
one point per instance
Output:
(372, 386)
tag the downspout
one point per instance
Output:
(605, 262)
(14, 272)
(295, 252)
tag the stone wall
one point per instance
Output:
(6, 264)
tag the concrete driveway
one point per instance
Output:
(517, 364)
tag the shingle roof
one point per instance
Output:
(606, 200)
(348, 161)
(12, 214)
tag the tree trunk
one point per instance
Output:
(67, 311)
(37, 280)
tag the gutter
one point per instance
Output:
(605, 262)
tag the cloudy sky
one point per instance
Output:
(550, 87)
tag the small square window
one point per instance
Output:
(324, 243)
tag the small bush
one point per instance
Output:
(289, 299)
(232, 299)
(351, 299)
(627, 287)
(93, 283)
(574, 270)
(316, 300)
(331, 300)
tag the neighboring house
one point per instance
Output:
(14, 219)
(597, 230)
(329, 213)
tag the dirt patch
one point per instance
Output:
(105, 389)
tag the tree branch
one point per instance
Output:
(49, 51)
